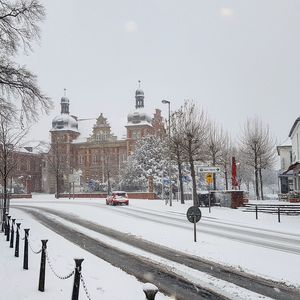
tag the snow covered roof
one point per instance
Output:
(294, 126)
(138, 117)
(64, 122)
(34, 147)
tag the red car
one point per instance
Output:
(117, 197)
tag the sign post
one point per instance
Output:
(203, 169)
(194, 215)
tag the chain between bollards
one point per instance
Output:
(17, 240)
(43, 266)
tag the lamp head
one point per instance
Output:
(165, 102)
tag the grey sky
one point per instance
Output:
(238, 59)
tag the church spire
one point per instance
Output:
(64, 103)
(139, 97)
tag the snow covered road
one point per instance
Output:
(157, 224)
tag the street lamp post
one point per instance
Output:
(169, 134)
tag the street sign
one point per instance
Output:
(202, 169)
(209, 178)
(193, 214)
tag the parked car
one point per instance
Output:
(204, 197)
(117, 198)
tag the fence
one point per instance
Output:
(278, 209)
(11, 230)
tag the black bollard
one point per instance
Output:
(12, 233)
(43, 266)
(8, 228)
(278, 214)
(256, 212)
(150, 290)
(25, 260)
(75, 292)
(5, 223)
(17, 240)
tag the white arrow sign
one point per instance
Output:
(202, 169)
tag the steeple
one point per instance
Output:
(139, 97)
(65, 103)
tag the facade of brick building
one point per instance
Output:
(25, 175)
(100, 156)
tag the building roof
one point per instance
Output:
(294, 126)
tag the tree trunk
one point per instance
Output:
(5, 196)
(226, 180)
(180, 182)
(57, 186)
(193, 175)
(256, 175)
(261, 185)
(214, 174)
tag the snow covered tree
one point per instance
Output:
(193, 125)
(216, 142)
(226, 158)
(149, 159)
(10, 139)
(131, 177)
(258, 149)
(19, 27)
(177, 151)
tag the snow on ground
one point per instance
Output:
(102, 279)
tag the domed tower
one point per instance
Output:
(139, 123)
(63, 132)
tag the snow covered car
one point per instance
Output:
(117, 198)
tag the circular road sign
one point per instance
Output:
(193, 212)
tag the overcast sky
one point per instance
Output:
(238, 59)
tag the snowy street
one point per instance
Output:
(248, 245)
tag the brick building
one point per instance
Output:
(102, 154)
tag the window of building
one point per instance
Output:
(28, 165)
(81, 159)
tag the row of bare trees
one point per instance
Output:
(21, 99)
(197, 140)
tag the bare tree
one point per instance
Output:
(216, 142)
(244, 171)
(177, 152)
(10, 139)
(19, 27)
(267, 158)
(225, 157)
(256, 144)
(193, 123)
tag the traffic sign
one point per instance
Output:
(202, 169)
(209, 178)
(193, 214)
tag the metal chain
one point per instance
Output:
(52, 269)
(36, 252)
(84, 287)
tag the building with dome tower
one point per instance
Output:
(101, 155)
(139, 123)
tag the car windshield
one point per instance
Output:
(120, 194)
